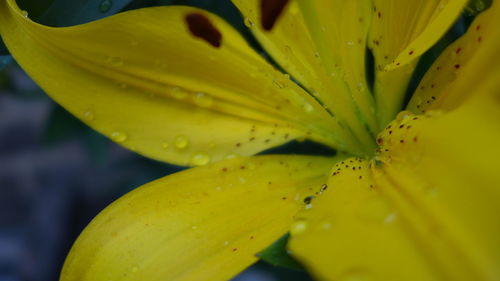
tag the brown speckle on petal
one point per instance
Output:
(200, 26)
(271, 10)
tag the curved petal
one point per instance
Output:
(401, 32)
(468, 65)
(326, 56)
(206, 223)
(172, 83)
(426, 210)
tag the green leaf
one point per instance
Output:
(277, 254)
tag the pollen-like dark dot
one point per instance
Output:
(323, 187)
(402, 141)
(379, 14)
(271, 10)
(200, 26)
(458, 50)
(308, 199)
(410, 53)
(456, 66)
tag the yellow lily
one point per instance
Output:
(178, 84)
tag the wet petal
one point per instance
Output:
(206, 223)
(326, 56)
(172, 83)
(469, 65)
(424, 209)
(401, 32)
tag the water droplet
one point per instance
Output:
(480, 5)
(181, 142)
(194, 227)
(248, 22)
(326, 225)
(200, 159)
(298, 227)
(203, 100)
(232, 156)
(178, 93)
(307, 107)
(226, 243)
(350, 43)
(242, 180)
(116, 61)
(377, 209)
(279, 84)
(118, 136)
(89, 115)
(361, 87)
(105, 6)
(135, 269)
(165, 145)
(24, 13)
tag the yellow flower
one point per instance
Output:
(420, 201)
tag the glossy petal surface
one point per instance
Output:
(424, 209)
(149, 82)
(206, 223)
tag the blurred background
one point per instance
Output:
(56, 174)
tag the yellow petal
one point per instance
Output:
(426, 210)
(401, 32)
(469, 65)
(143, 79)
(352, 232)
(326, 56)
(206, 223)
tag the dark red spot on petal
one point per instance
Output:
(410, 53)
(271, 10)
(200, 26)
(458, 50)
(456, 66)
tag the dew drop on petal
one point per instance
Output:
(232, 156)
(135, 269)
(24, 13)
(181, 142)
(165, 145)
(89, 115)
(248, 22)
(307, 107)
(178, 93)
(298, 227)
(200, 159)
(105, 6)
(118, 136)
(278, 84)
(203, 100)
